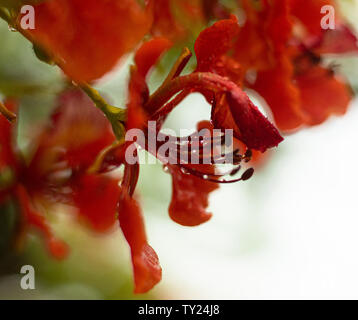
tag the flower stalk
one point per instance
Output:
(9, 115)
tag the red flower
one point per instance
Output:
(190, 189)
(290, 76)
(232, 109)
(66, 149)
(77, 151)
(267, 54)
(59, 171)
(192, 184)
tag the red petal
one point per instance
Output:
(190, 197)
(281, 94)
(145, 58)
(255, 130)
(176, 19)
(89, 36)
(96, 197)
(279, 25)
(56, 247)
(267, 29)
(221, 115)
(215, 58)
(251, 48)
(7, 155)
(338, 41)
(322, 94)
(138, 96)
(149, 53)
(147, 271)
(165, 23)
(214, 42)
(309, 13)
(79, 130)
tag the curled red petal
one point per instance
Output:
(87, 37)
(216, 58)
(149, 53)
(221, 115)
(146, 267)
(214, 42)
(256, 131)
(96, 197)
(138, 96)
(190, 196)
(130, 178)
(145, 58)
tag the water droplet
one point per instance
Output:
(183, 170)
(12, 29)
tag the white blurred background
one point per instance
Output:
(289, 232)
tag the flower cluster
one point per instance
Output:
(277, 51)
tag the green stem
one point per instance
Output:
(101, 103)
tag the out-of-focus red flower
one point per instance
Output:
(309, 14)
(176, 20)
(319, 87)
(88, 37)
(57, 171)
(280, 61)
